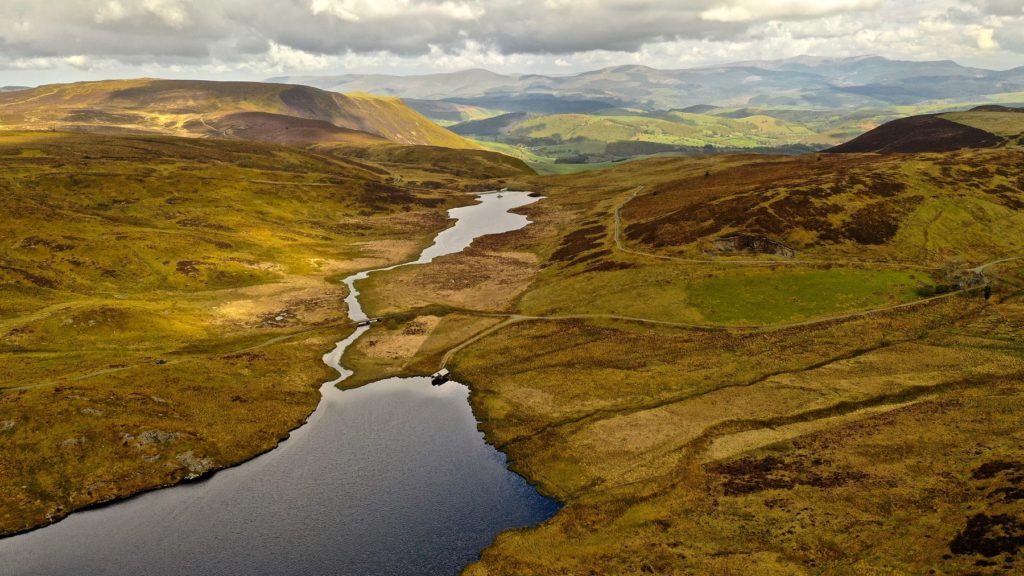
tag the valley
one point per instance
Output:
(717, 363)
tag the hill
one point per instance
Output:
(979, 128)
(202, 108)
(618, 134)
(489, 126)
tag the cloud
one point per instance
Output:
(362, 10)
(78, 61)
(754, 10)
(984, 37)
(409, 35)
(1003, 7)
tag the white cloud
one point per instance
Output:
(751, 10)
(174, 13)
(362, 10)
(984, 37)
(110, 12)
(78, 61)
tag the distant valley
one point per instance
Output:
(785, 106)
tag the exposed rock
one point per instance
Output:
(150, 437)
(196, 465)
(971, 279)
(72, 442)
(752, 243)
(278, 319)
(6, 425)
(91, 412)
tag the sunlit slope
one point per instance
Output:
(679, 128)
(203, 108)
(998, 120)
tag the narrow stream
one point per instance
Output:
(391, 478)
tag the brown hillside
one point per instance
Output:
(916, 207)
(919, 134)
(283, 129)
(195, 108)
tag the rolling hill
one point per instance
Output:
(249, 110)
(617, 134)
(981, 127)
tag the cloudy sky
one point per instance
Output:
(62, 40)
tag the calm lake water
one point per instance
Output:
(390, 478)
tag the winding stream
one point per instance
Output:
(390, 478)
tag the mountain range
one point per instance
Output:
(826, 83)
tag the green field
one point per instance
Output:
(771, 296)
(702, 294)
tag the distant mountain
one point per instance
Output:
(824, 83)
(697, 109)
(980, 127)
(240, 110)
(12, 88)
(448, 112)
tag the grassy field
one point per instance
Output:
(164, 302)
(697, 294)
(1001, 123)
(771, 296)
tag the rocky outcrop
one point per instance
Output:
(752, 243)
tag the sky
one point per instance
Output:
(45, 41)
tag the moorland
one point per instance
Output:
(165, 301)
(730, 363)
(703, 411)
